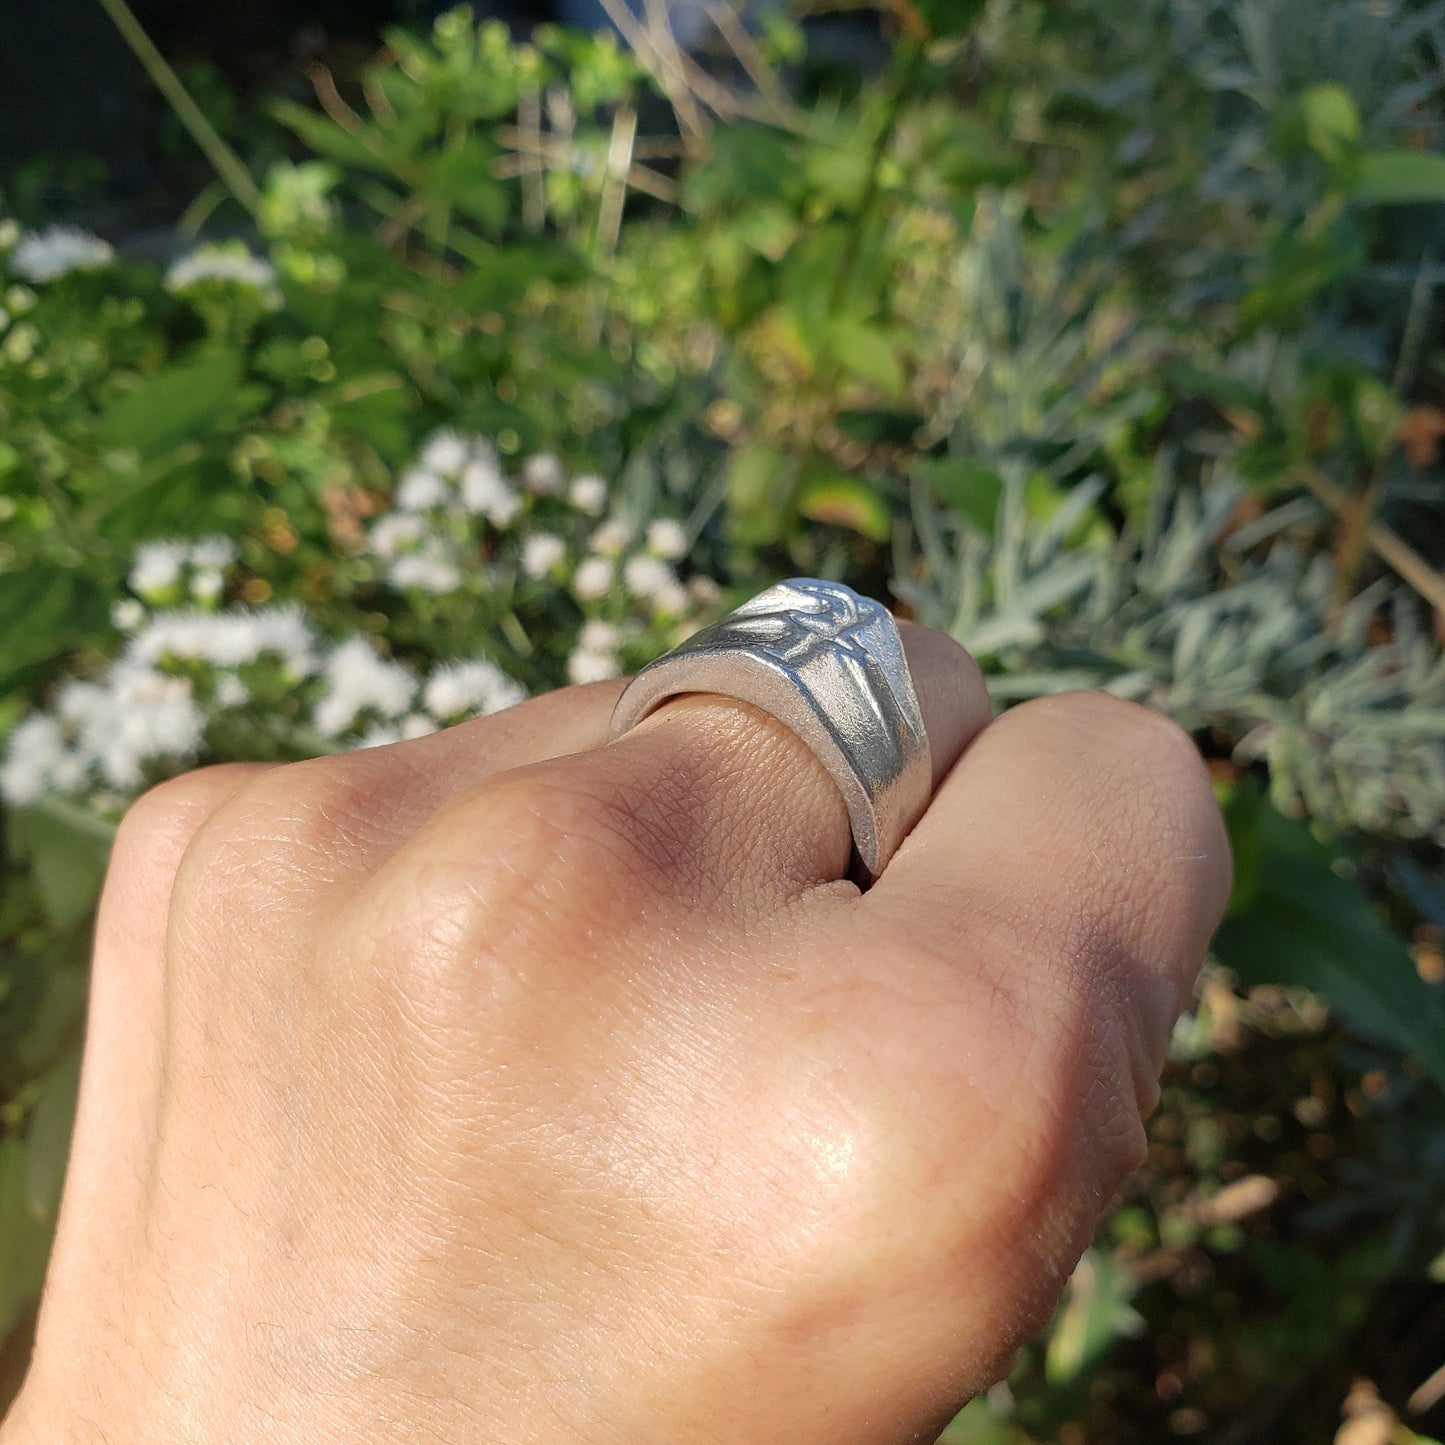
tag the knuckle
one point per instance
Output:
(543, 863)
(161, 824)
(284, 832)
(596, 829)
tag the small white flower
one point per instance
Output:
(395, 533)
(666, 539)
(141, 715)
(416, 725)
(593, 579)
(420, 489)
(541, 552)
(487, 493)
(588, 493)
(378, 736)
(127, 614)
(207, 586)
(671, 599)
(213, 553)
(36, 749)
(79, 703)
(464, 689)
(231, 691)
(585, 665)
(57, 251)
(704, 591)
(648, 577)
(445, 452)
(228, 639)
(611, 539)
(229, 263)
(543, 475)
(598, 636)
(283, 633)
(157, 568)
(359, 681)
(70, 773)
(429, 570)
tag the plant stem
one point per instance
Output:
(228, 165)
(905, 78)
(1390, 548)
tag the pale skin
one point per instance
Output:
(503, 1086)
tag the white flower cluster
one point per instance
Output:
(165, 572)
(228, 640)
(193, 659)
(624, 582)
(102, 734)
(183, 670)
(47, 255)
(226, 265)
(423, 541)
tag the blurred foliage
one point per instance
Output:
(1106, 337)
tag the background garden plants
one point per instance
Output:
(1106, 337)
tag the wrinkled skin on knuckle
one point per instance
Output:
(528, 878)
(163, 820)
(283, 837)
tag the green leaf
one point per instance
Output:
(1396, 178)
(24, 1240)
(1293, 919)
(67, 848)
(47, 1139)
(864, 349)
(760, 487)
(44, 613)
(383, 414)
(948, 19)
(970, 488)
(326, 138)
(747, 164)
(1095, 1312)
(880, 426)
(843, 502)
(462, 176)
(181, 403)
(1324, 119)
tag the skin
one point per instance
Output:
(506, 1086)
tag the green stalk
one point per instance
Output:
(228, 165)
(905, 78)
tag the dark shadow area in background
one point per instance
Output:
(86, 137)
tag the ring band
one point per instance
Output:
(829, 665)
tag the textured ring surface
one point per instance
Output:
(829, 665)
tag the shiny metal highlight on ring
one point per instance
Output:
(829, 665)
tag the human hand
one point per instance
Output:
(502, 1086)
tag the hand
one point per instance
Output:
(501, 1086)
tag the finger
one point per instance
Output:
(1086, 828)
(115, 1117)
(709, 802)
(1050, 911)
(763, 814)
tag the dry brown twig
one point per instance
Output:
(1387, 545)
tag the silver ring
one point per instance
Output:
(829, 665)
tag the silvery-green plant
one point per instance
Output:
(1222, 625)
